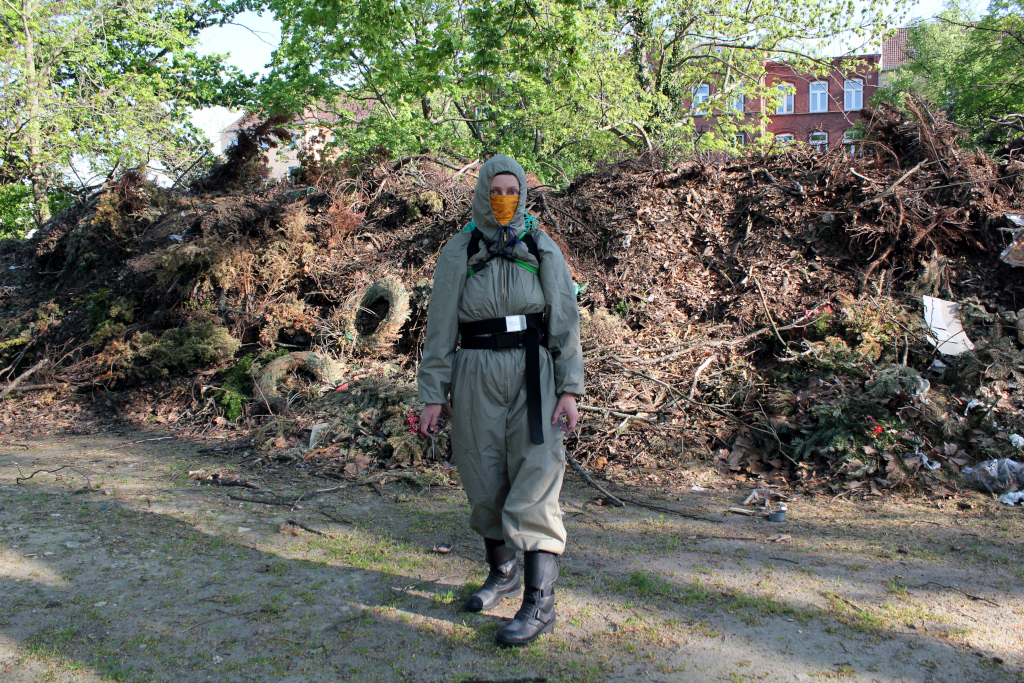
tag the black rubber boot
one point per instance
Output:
(502, 581)
(537, 615)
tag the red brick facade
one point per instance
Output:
(838, 108)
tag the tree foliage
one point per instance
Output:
(94, 83)
(555, 83)
(17, 207)
(972, 67)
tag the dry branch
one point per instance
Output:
(14, 385)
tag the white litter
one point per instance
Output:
(943, 319)
(1017, 440)
(930, 464)
(317, 433)
(923, 387)
(1014, 254)
(1013, 498)
(697, 488)
(973, 402)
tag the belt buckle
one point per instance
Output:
(515, 323)
(506, 341)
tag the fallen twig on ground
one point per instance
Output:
(622, 502)
(614, 413)
(18, 480)
(305, 527)
(337, 520)
(279, 501)
(18, 380)
(583, 473)
(977, 598)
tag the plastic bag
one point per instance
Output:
(996, 476)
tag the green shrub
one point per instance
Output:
(841, 429)
(107, 319)
(236, 387)
(182, 350)
(238, 382)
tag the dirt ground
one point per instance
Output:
(120, 567)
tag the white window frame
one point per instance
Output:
(739, 103)
(818, 140)
(700, 94)
(785, 138)
(851, 141)
(785, 105)
(740, 139)
(817, 92)
(853, 94)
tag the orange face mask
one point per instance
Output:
(504, 207)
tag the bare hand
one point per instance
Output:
(567, 407)
(428, 419)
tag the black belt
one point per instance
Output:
(514, 332)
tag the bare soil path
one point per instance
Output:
(122, 568)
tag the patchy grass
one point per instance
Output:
(853, 616)
(647, 585)
(627, 613)
(749, 607)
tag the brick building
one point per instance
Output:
(822, 109)
(817, 109)
(896, 52)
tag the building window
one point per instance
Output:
(784, 138)
(737, 103)
(819, 96)
(700, 95)
(853, 94)
(851, 141)
(819, 141)
(785, 105)
(741, 139)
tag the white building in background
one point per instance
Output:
(311, 131)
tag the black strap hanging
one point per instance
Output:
(533, 398)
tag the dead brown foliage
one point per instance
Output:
(715, 292)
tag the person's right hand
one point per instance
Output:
(428, 419)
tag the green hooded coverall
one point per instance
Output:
(512, 484)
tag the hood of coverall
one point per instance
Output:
(483, 214)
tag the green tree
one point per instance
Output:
(97, 83)
(972, 68)
(556, 83)
(17, 207)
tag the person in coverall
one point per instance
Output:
(503, 346)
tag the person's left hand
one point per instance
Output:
(567, 406)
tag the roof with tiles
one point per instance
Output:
(894, 50)
(318, 113)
